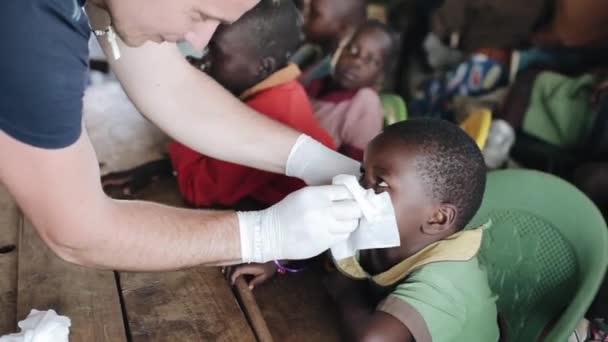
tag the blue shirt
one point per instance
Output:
(43, 70)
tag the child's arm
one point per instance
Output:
(359, 319)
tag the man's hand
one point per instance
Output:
(303, 225)
(316, 164)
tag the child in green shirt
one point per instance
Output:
(431, 287)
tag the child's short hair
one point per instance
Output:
(272, 29)
(448, 162)
(353, 12)
(378, 26)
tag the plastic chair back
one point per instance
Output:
(546, 253)
(394, 108)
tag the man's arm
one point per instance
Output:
(196, 111)
(59, 190)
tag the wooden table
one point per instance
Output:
(190, 305)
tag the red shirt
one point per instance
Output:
(204, 181)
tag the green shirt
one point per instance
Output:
(446, 301)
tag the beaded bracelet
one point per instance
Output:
(282, 269)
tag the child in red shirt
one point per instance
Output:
(250, 59)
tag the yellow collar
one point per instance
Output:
(461, 246)
(287, 74)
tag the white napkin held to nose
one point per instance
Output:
(378, 227)
(41, 326)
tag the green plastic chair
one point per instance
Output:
(546, 253)
(394, 108)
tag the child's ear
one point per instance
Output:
(443, 219)
(267, 67)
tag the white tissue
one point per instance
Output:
(41, 326)
(378, 227)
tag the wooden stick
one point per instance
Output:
(252, 310)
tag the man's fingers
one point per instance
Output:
(347, 210)
(338, 238)
(337, 192)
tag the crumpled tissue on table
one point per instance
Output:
(41, 326)
(378, 227)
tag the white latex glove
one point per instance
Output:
(303, 225)
(316, 164)
(377, 229)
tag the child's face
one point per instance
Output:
(228, 63)
(389, 166)
(320, 23)
(362, 61)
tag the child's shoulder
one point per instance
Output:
(462, 285)
(448, 294)
(368, 95)
(281, 93)
(459, 273)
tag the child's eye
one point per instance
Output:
(380, 183)
(381, 186)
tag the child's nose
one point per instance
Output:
(359, 61)
(364, 183)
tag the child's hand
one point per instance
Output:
(260, 273)
(125, 184)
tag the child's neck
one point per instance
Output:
(376, 261)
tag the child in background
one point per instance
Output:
(327, 24)
(329, 21)
(250, 59)
(431, 287)
(347, 104)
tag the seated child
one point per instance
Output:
(250, 59)
(347, 104)
(431, 288)
(327, 24)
